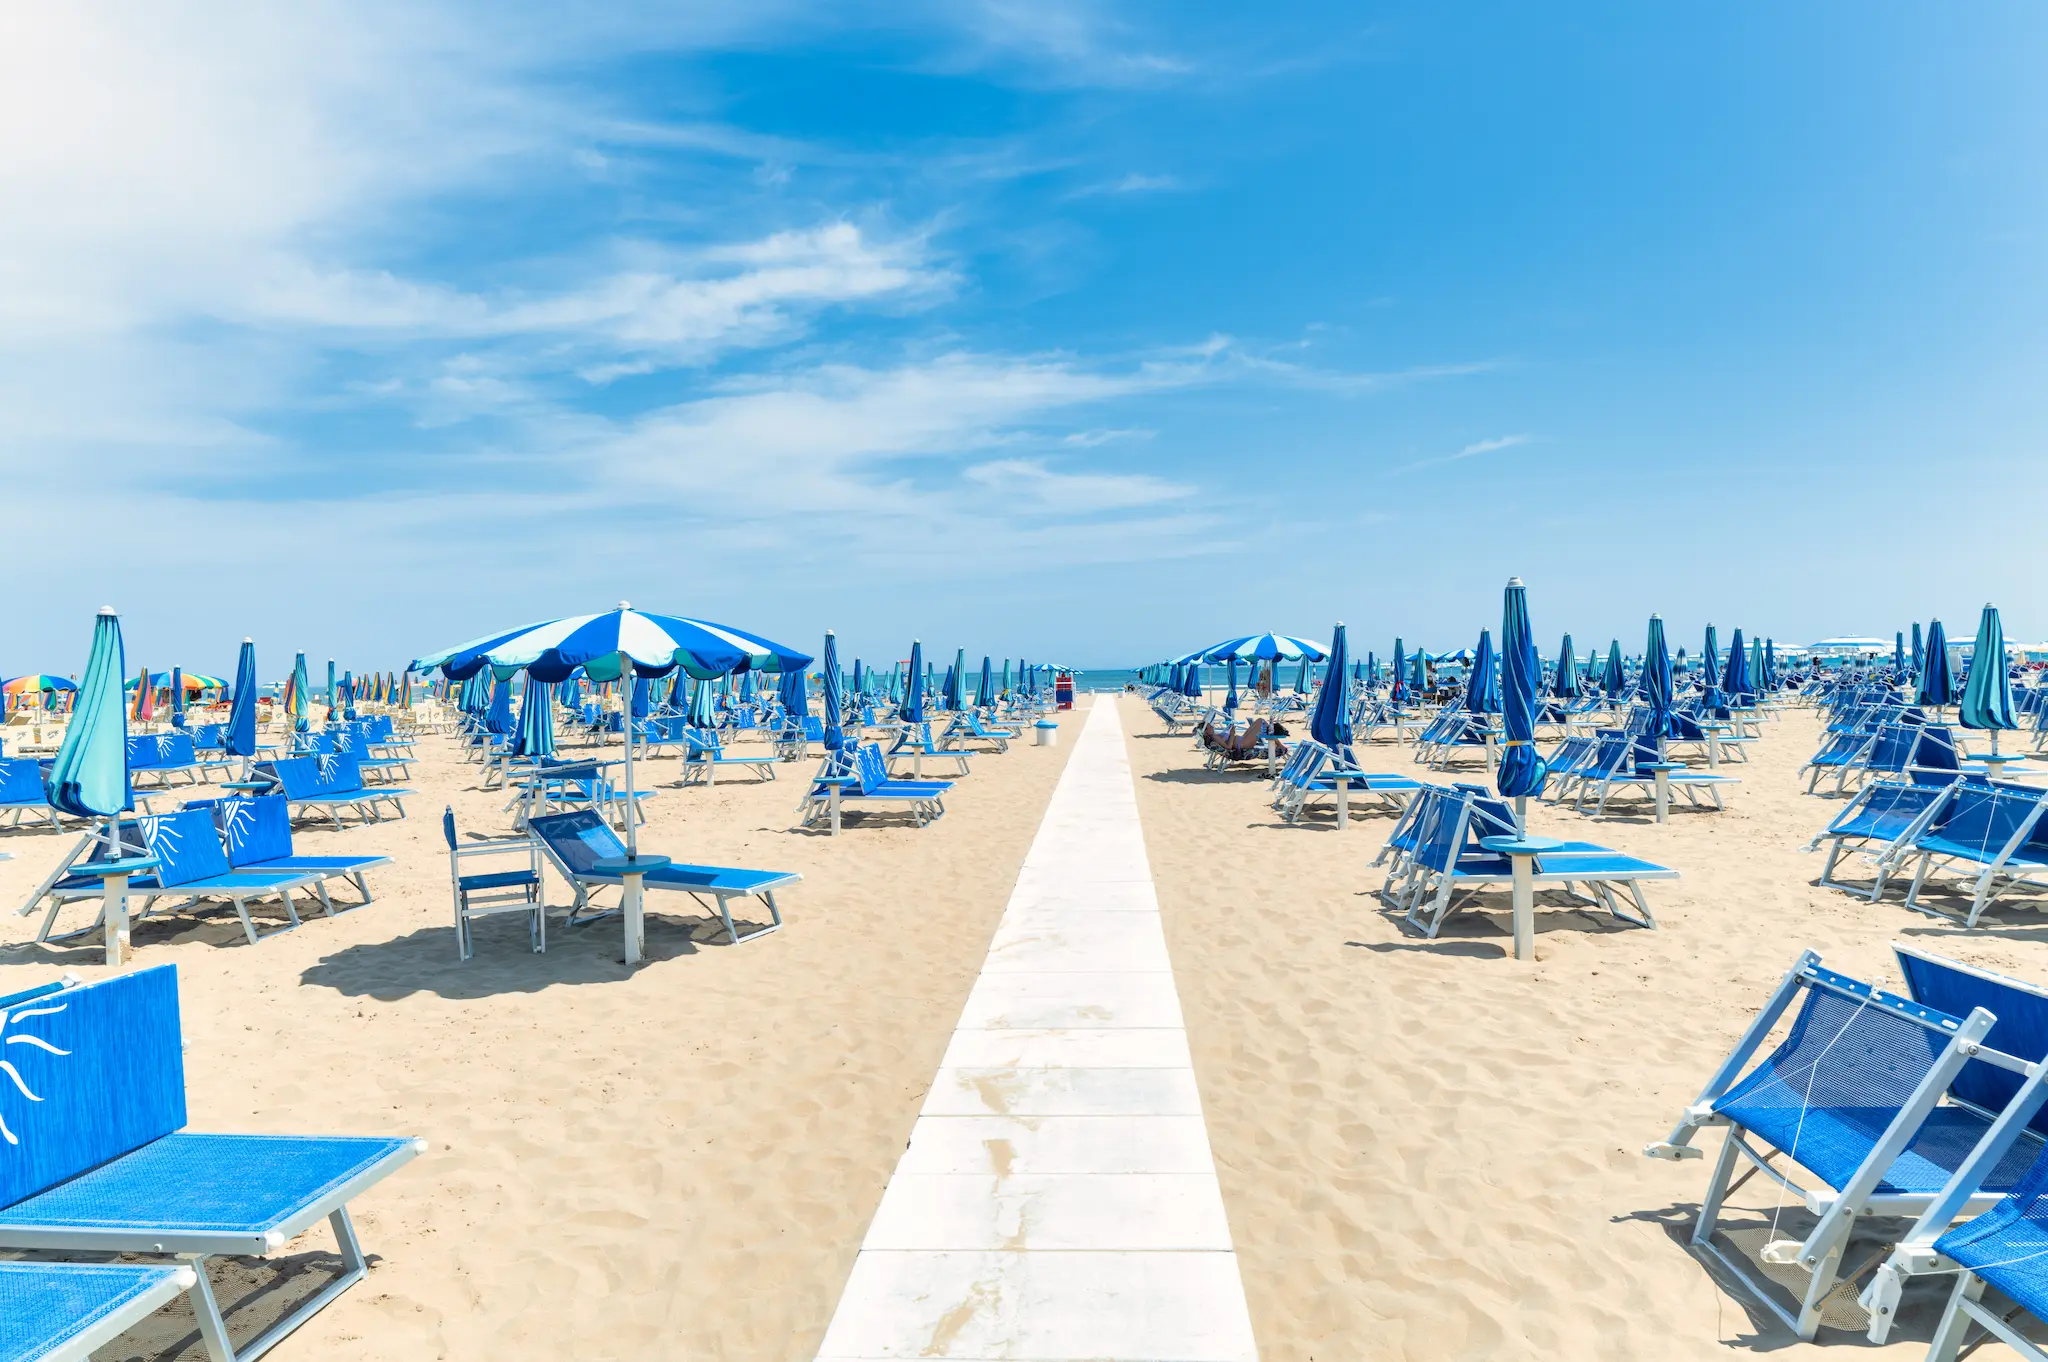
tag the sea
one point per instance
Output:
(1104, 680)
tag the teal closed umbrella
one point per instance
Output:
(1614, 681)
(1482, 688)
(1565, 684)
(835, 701)
(1522, 770)
(240, 733)
(89, 778)
(985, 692)
(1986, 702)
(535, 735)
(912, 709)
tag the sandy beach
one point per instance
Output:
(1427, 1150)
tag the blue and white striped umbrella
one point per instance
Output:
(1262, 648)
(653, 643)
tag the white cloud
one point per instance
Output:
(1477, 447)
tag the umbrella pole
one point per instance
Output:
(632, 823)
(1521, 815)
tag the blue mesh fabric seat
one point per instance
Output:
(22, 792)
(1880, 823)
(576, 841)
(1989, 831)
(331, 784)
(194, 865)
(2006, 1247)
(77, 1307)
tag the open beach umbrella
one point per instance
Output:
(1613, 681)
(240, 734)
(1565, 684)
(985, 693)
(1522, 771)
(89, 778)
(534, 735)
(1329, 723)
(1399, 694)
(607, 644)
(1263, 648)
(1230, 700)
(1657, 683)
(1482, 686)
(912, 709)
(1986, 702)
(37, 683)
(835, 701)
(1937, 683)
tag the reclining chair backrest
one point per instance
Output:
(255, 830)
(578, 839)
(379, 729)
(314, 776)
(160, 751)
(21, 781)
(869, 767)
(1987, 817)
(107, 1068)
(1934, 759)
(2022, 1026)
(186, 845)
(209, 738)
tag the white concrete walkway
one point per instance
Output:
(1058, 1200)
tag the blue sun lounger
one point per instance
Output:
(916, 743)
(1991, 834)
(258, 836)
(98, 1160)
(22, 791)
(704, 757)
(64, 1312)
(576, 841)
(1876, 1096)
(1879, 823)
(330, 785)
(854, 779)
(967, 726)
(164, 758)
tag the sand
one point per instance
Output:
(672, 1162)
(1431, 1151)
(1427, 1150)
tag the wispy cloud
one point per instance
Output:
(1473, 450)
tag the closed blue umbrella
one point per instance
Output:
(678, 690)
(1736, 679)
(1713, 658)
(177, 697)
(1918, 652)
(1418, 674)
(348, 695)
(1987, 691)
(1565, 684)
(703, 714)
(331, 683)
(1372, 668)
(535, 734)
(985, 693)
(1230, 700)
(794, 692)
(643, 697)
(1329, 723)
(835, 702)
(1399, 694)
(1657, 682)
(912, 709)
(1482, 687)
(240, 735)
(1301, 675)
(1899, 651)
(1522, 770)
(1937, 684)
(1613, 680)
(1770, 664)
(498, 718)
(301, 704)
(89, 778)
(956, 687)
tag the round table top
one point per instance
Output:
(127, 865)
(632, 865)
(1660, 766)
(1520, 846)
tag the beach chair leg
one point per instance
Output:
(1717, 1189)
(1919, 878)
(1824, 1277)
(1955, 1321)
(213, 1331)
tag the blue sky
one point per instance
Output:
(1089, 331)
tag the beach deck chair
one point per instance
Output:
(258, 835)
(348, 740)
(167, 759)
(854, 779)
(915, 744)
(332, 785)
(1990, 834)
(969, 726)
(100, 1163)
(1880, 824)
(1838, 754)
(1613, 769)
(22, 792)
(575, 842)
(516, 888)
(64, 1312)
(1451, 868)
(704, 756)
(1861, 1094)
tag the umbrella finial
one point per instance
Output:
(106, 610)
(1514, 581)
(247, 639)
(625, 605)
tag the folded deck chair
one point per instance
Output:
(64, 1312)
(99, 1161)
(1859, 1094)
(332, 785)
(576, 842)
(514, 888)
(1990, 835)
(22, 791)
(1880, 824)
(258, 836)
(855, 780)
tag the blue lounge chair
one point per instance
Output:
(99, 1161)
(1310, 776)
(1879, 823)
(915, 744)
(64, 1312)
(258, 836)
(165, 759)
(854, 779)
(704, 757)
(22, 791)
(330, 785)
(346, 740)
(1863, 1093)
(1615, 767)
(575, 842)
(514, 889)
(969, 726)
(1990, 834)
